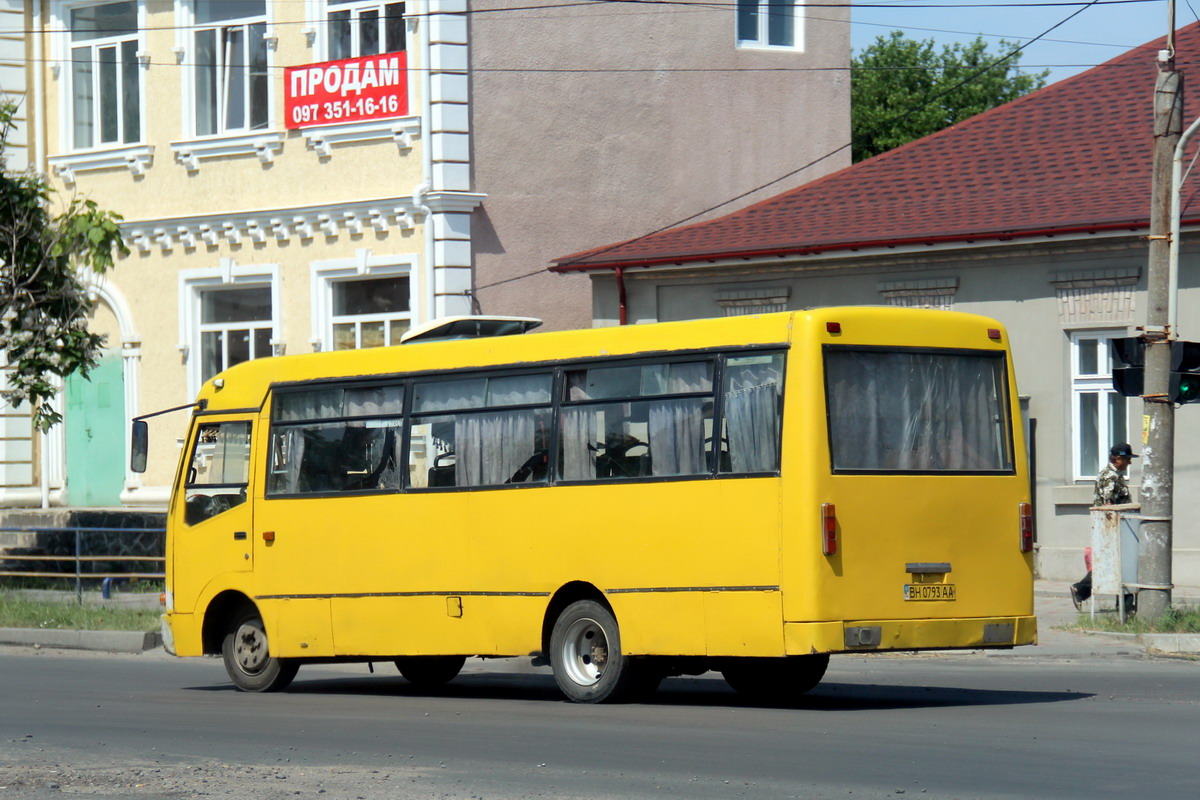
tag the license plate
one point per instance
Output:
(929, 591)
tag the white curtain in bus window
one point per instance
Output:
(636, 438)
(219, 470)
(753, 407)
(907, 411)
(475, 446)
(336, 440)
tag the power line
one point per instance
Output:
(715, 5)
(928, 102)
(586, 70)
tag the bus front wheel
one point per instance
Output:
(775, 679)
(430, 671)
(248, 661)
(585, 654)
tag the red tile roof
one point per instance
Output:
(1072, 157)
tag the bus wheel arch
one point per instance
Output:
(567, 594)
(584, 649)
(219, 616)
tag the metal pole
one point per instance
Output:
(78, 566)
(1157, 493)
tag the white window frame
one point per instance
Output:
(1098, 383)
(322, 9)
(192, 286)
(188, 30)
(363, 266)
(62, 48)
(762, 36)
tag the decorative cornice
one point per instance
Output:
(136, 159)
(1089, 279)
(237, 228)
(263, 145)
(402, 131)
(453, 202)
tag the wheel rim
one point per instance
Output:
(585, 652)
(250, 648)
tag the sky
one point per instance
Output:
(1091, 37)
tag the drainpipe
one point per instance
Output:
(622, 304)
(38, 112)
(419, 194)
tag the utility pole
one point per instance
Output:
(1158, 473)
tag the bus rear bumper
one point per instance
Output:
(859, 636)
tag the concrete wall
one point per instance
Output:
(598, 123)
(1016, 285)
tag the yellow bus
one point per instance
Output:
(747, 495)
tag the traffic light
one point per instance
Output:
(1185, 372)
(1128, 359)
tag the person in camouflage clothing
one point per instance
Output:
(1111, 490)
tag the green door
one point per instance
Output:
(95, 433)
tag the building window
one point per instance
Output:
(768, 23)
(105, 83)
(235, 326)
(358, 28)
(230, 55)
(373, 312)
(1098, 414)
(364, 301)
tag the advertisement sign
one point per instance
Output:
(350, 90)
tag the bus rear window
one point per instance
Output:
(901, 410)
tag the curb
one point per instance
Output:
(104, 641)
(1173, 643)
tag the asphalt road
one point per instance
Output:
(941, 726)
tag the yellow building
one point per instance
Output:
(307, 175)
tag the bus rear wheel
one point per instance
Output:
(430, 671)
(585, 654)
(775, 679)
(248, 660)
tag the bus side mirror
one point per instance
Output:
(138, 445)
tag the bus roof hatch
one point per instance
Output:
(469, 328)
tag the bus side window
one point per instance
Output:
(607, 432)
(336, 439)
(751, 425)
(481, 431)
(219, 470)
(480, 448)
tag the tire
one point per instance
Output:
(430, 671)
(585, 654)
(775, 680)
(247, 657)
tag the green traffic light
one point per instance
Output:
(1189, 389)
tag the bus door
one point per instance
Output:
(212, 518)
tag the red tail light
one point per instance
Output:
(828, 529)
(1026, 514)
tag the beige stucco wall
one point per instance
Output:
(168, 194)
(606, 122)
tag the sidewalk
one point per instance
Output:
(1052, 604)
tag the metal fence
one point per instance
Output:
(81, 554)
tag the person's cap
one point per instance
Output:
(1123, 450)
